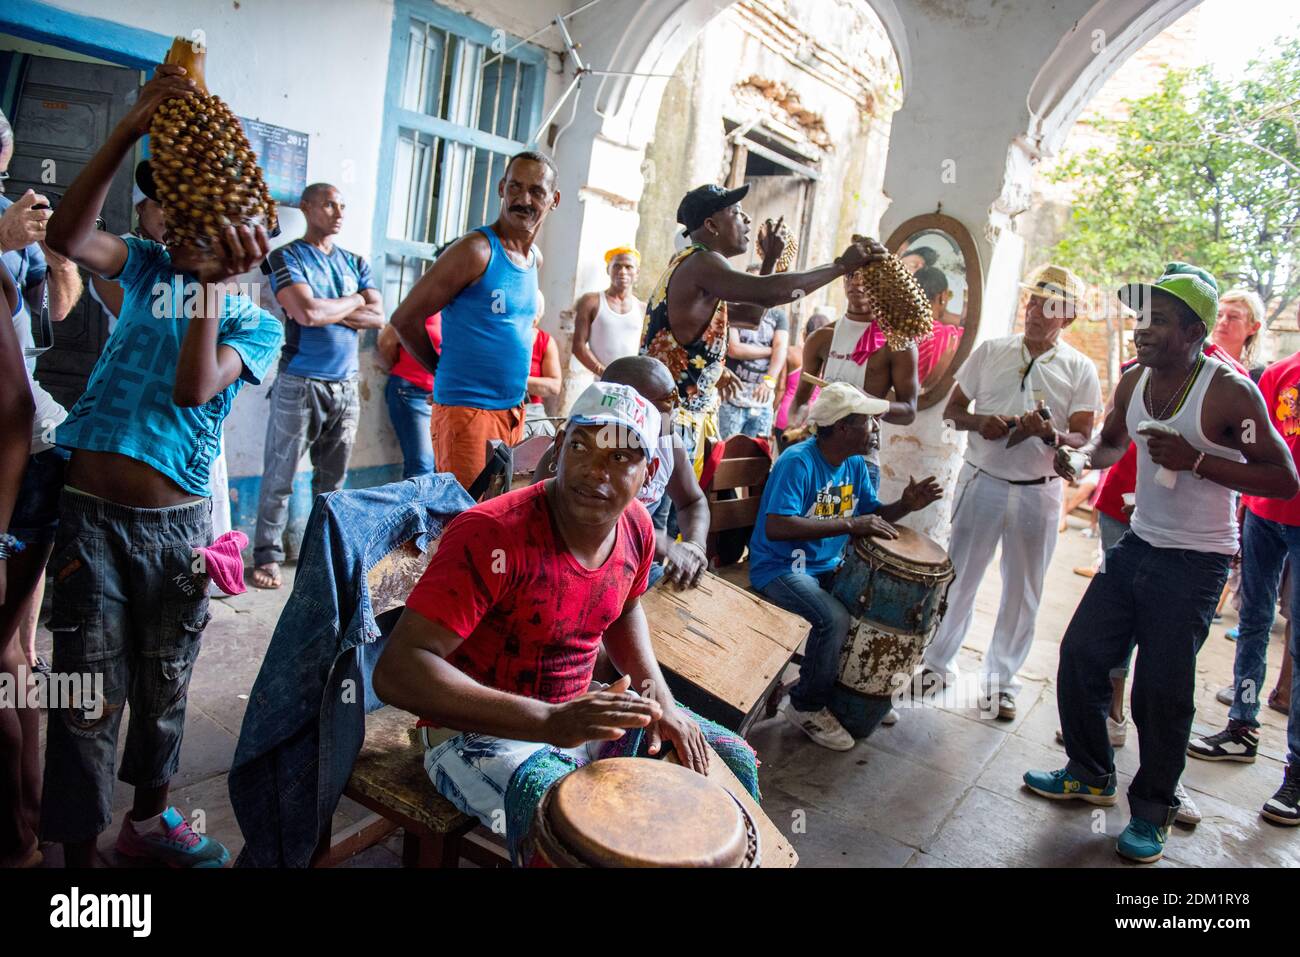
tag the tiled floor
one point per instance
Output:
(939, 789)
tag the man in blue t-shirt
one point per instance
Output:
(818, 496)
(130, 595)
(328, 298)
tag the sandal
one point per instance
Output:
(263, 577)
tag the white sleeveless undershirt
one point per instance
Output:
(613, 334)
(1196, 513)
(840, 366)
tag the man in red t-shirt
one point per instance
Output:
(500, 636)
(1270, 536)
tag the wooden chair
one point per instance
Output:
(733, 492)
(388, 778)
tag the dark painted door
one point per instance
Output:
(66, 111)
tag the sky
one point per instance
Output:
(1232, 31)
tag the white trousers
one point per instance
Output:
(986, 512)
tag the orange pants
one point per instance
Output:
(460, 436)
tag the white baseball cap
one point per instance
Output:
(612, 403)
(840, 399)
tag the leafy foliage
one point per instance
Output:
(1203, 171)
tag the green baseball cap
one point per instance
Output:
(1189, 284)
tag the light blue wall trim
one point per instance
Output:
(439, 16)
(44, 23)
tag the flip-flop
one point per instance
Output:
(278, 581)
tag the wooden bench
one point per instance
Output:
(733, 492)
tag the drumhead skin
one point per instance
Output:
(911, 546)
(637, 812)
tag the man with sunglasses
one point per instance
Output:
(1033, 393)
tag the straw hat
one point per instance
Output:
(1056, 284)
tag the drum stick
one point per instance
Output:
(805, 376)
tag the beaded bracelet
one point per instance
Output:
(9, 546)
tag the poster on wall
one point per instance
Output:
(282, 153)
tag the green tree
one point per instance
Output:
(1204, 171)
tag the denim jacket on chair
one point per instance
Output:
(301, 733)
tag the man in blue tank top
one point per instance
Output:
(1202, 433)
(485, 286)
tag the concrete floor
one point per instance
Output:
(941, 788)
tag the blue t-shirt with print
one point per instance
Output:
(804, 484)
(127, 407)
(319, 352)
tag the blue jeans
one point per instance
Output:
(740, 420)
(811, 599)
(36, 511)
(1130, 604)
(409, 410)
(1265, 546)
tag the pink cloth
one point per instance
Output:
(225, 564)
(931, 349)
(871, 340)
(791, 387)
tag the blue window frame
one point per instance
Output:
(457, 109)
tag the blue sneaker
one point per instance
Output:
(1232, 634)
(1142, 841)
(177, 845)
(1063, 786)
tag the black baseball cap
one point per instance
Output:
(144, 180)
(703, 201)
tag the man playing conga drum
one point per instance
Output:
(819, 494)
(500, 635)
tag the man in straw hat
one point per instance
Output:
(1033, 393)
(607, 325)
(1202, 432)
(819, 494)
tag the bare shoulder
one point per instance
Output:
(819, 340)
(1230, 387)
(587, 302)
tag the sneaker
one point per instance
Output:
(890, 719)
(1236, 743)
(1117, 731)
(1142, 841)
(1063, 786)
(1006, 706)
(176, 845)
(932, 680)
(1224, 696)
(1284, 806)
(1188, 812)
(822, 726)
(1232, 634)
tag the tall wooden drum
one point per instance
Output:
(638, 812)
(896, 590)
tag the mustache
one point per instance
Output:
(522, 209)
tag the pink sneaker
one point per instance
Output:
(177, 845)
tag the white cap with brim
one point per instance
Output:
(621, 406)
(840, 399)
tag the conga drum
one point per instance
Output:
(896, 590)
(638, 812)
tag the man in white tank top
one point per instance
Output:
(1202, 434)
(607, 325)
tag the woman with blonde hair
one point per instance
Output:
(1237, 330)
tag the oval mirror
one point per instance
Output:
(940, 252)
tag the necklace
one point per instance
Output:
(1029, 361)
(1180, 393)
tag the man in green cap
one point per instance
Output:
(1202, 433)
